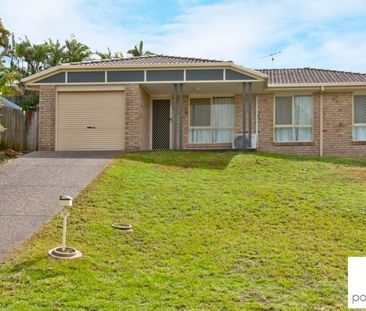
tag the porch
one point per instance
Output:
(203, 115)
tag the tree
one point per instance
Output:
(19, 58)
(8, 77)
(56, 53)
(9, 82)
(76, 51)
(4, 35)
(109, 54)
(138, 50)
(29, 58)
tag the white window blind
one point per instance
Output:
(211, 120)
(293, 118)
(359, 118)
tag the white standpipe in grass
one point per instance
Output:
(65, 214)
(65, 202)
(63, 251)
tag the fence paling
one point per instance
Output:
(21, 129)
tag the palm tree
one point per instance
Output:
(138, 50)
(56, 53)
(109, 54)
(21, 53)
(33, 55)
(41, 52)
(76, 51)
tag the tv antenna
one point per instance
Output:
(272, 55)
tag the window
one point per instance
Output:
(211, 120)
(359, 118)
(293, 119)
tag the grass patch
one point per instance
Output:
(212, 231)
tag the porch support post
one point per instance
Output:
(181, 114)
(243, 98)
(250, 113)
(174, 117)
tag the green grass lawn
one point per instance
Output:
(212, 231)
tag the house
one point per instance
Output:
(168, 102)
(9, 104)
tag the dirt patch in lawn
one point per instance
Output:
(353, 172)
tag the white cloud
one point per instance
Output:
(307, 32)
(246, 30)
(43, 19)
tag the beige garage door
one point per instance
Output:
(90, 120)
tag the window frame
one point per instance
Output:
(210, 127)
(293, 126)
(353, 118)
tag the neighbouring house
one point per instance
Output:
(168, 102)
(9, 104)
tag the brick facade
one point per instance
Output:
(337, 127)
(337, 123)
(137, 118)
(266, 129)
(47, 118)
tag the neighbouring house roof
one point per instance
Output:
(150, 60)
(9, 104)
(311, 76)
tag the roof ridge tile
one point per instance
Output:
(171, 59)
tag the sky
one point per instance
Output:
(327, 34)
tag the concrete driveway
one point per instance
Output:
(31, 185)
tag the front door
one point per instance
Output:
(161, 124)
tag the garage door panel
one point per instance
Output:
(102, 112)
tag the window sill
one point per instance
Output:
(294, 143)
(209, 144)
(359, 142)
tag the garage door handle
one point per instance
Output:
(90, 127)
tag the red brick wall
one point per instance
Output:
(266, 141)
(137, 118)
(47, 113)
(338, 126)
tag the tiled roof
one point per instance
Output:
(311, 76)
(275, 76)
(149, 60)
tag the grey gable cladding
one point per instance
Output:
(86, 76)
(57, 78)
(275, 76)
(204, 74)
(234, 75)
(125, 76)
(164, 75)
(151, 76)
